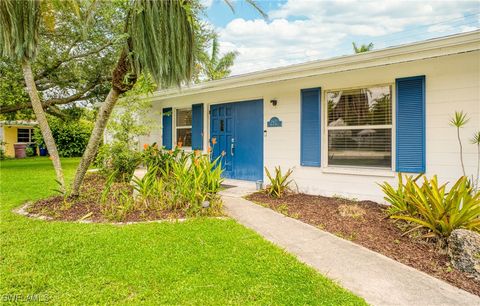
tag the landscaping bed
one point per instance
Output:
(366, 223)
(203, 261)
(89, 206)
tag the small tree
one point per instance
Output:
(132, 117)
(458, 121)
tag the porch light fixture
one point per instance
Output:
(274, 102)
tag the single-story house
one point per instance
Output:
(343, 124)
(15, 132)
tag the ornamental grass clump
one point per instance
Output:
(432, 207)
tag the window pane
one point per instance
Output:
(357, 147)
(366, 106)
(184, 117)
(184, 137)
(23, 135)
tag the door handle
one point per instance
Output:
(232, 149)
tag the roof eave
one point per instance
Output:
(448, 45)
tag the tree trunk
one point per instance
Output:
(95, 138)
(42, 122)
(461, 151)
(122, 81)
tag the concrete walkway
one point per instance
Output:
(378, 279)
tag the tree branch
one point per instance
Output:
(55, 111)
(79, 95)
(52, 102)
(58, 63)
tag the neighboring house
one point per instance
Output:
(15, 131)
(344, 124)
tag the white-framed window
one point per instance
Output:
(24, 135)
(359, 127)
(183, 127)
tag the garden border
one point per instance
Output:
(22, 211)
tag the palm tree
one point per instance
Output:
(19, 35)
(215, 67)
(362, 48)
(160, 42)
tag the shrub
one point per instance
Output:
(2, 150)
(71, 136)
(176, 181)
(193, 181)
(279, 184)
(186, 182)
(153, 156)
(30, 151)
(432, 208)
(119, 160)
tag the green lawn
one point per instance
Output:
(202, 261)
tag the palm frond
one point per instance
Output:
(257, 7)
(227, 61)
(362, 48)
(230, 4)
(162, 40)
(215, 50)
(459, 119)
(476, 138)
(19, 28)
(252, 3)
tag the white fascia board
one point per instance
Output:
(444, 46)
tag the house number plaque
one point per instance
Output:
(274, 122)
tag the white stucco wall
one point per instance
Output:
(452, 83)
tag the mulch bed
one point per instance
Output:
(365, 223)
(87, 207)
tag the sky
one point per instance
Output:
(297, 31)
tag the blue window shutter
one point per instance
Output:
(410, 124)
(310, 117)
(167, 128)
(197, 126)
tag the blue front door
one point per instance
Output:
(238, 131)
(222, 130)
